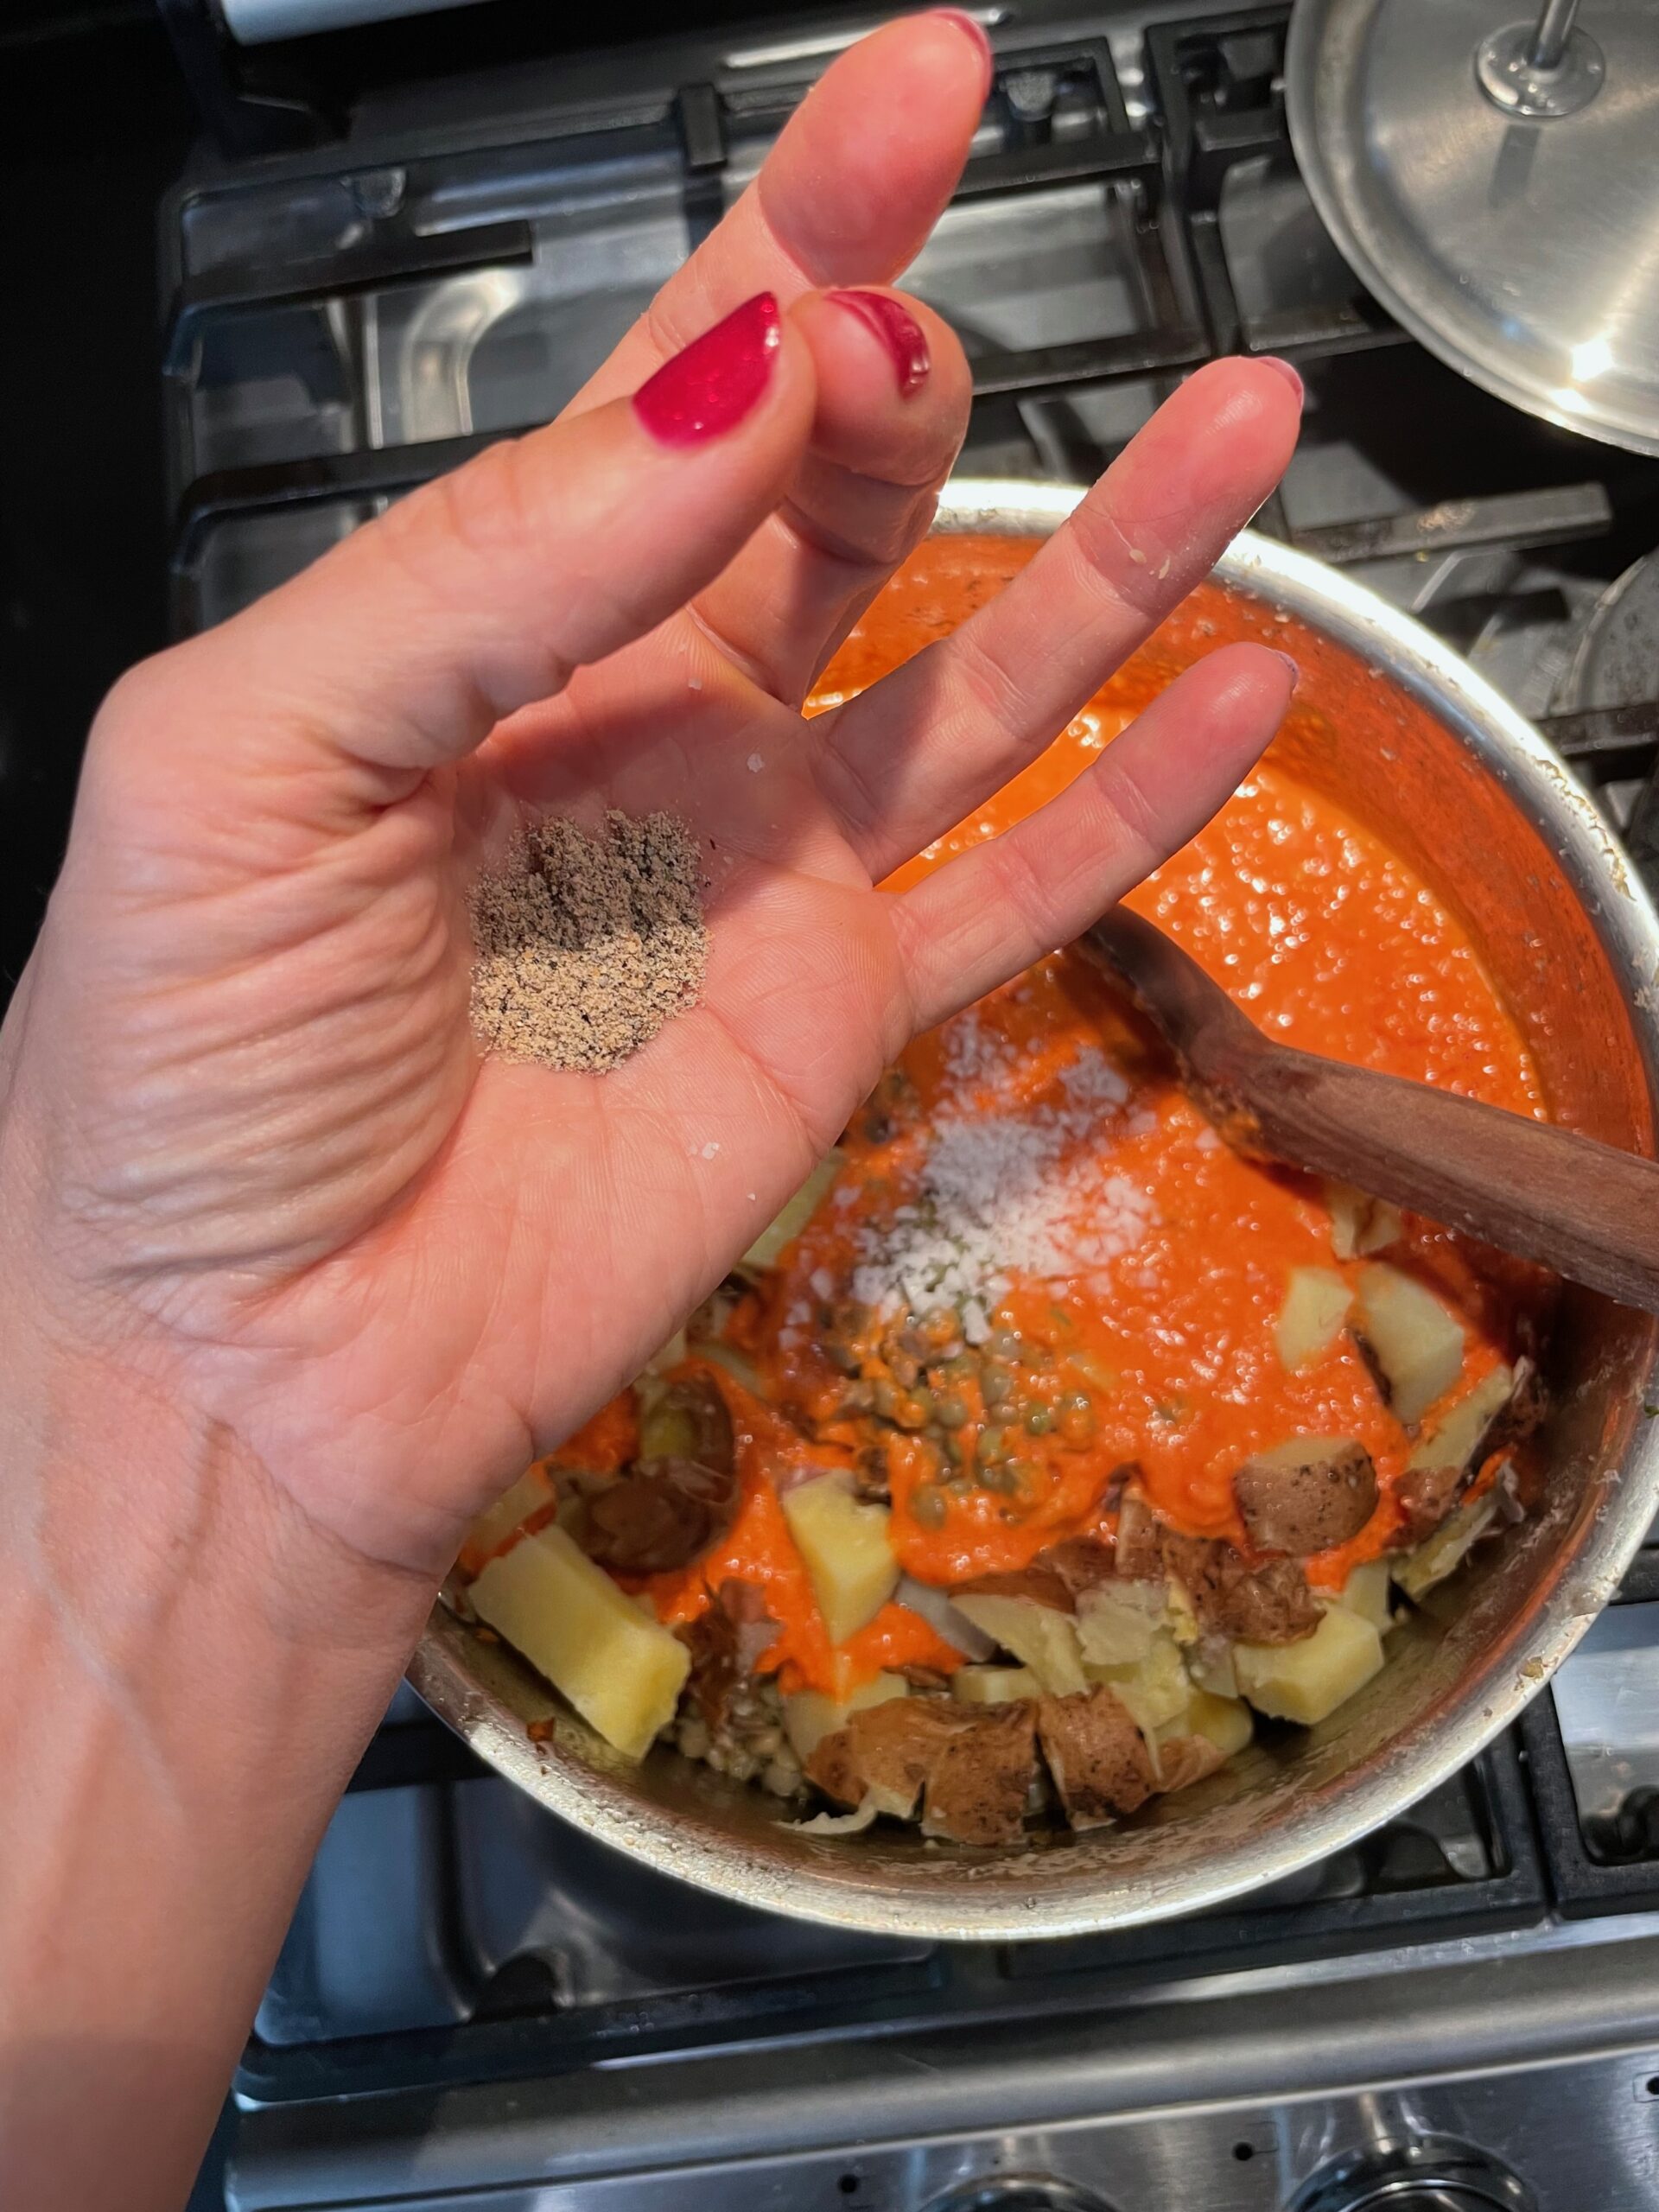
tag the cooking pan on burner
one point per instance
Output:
(1408, 736)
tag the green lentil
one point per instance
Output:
(1039, 1420)
(996, 1384)
(993, 1446)
(927, 1509)
(950, 1411)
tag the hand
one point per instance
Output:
(250, 1145)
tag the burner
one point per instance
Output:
(1422, 2177)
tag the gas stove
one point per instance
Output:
(478, 2005)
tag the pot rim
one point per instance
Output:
(602, 1803)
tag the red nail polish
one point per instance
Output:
(1273, 362)
(965, 22)
(898, 331)
(712, 385)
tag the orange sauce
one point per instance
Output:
(1327, 939)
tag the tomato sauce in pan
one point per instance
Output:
(1161, 1356)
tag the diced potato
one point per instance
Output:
(1383, 1226)
(1360, 1224)
(1039, 1637)
(1179, 1618)
(1157, 1689)
(621, 1669)
(811, 1715)
(1454, 1441)
(1224, 1720)
(1211, 1668)
(788, 1226)
(1449, 1546)
(497, 1522)
(993, 1685)
(1417, 1344)
(1317, 1302)
(1117, 1621)
(844, 1544)
(1306, 1680)
(1366, 1592)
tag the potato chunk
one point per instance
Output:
(1411, 1343)
(1157, 1689)
(534, 1488)
(621, 1669)
(993, 1685)
(1307, 1495)
(811, 1715)
(1366, 1592)
(1098, 1756)
(1449, 1546)
(1040, 1637)
(1117, 1621)
(798, 1210)
(1456, 1440)
(1306, 1680)
(844, 1544)
(1317, 1303)
(1224, 1720)
(1360, 1224)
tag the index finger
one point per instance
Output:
(858, 177)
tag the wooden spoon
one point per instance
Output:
(1588, 1211)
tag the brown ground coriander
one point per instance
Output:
(584, 946)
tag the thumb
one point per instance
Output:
(483, 591)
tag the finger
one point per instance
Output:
(858, 177)
(403, 647)
(895, 390)
(907, 759)
(991, 912)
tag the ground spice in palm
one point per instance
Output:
(586, 945)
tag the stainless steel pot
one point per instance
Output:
(1414, 742)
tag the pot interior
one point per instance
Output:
(1465, 808)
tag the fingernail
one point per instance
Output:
(1273, 362)
(898, 330)
(710, 386)
(965, 22)
(1294, 666)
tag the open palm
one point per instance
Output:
(241, 1063)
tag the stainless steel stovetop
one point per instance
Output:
(477, 2006)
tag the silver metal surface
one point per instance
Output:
(1523, 251)
(255, 23)
(1448, 770)
(1176, 2103)
(1548, 69)
(1616, 661)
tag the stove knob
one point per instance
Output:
(1020, 2193)
(1428, 2178)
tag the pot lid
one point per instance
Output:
(1495, 182)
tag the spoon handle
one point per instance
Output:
(1584, 1209)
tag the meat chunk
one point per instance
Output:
(688, 1419)
(1269, 1604)
(1425, 1496)
(980, 1780)
(1140, 1540)
(1040, 1582)
(1097, 1755)
(886, 1753)
(657, 1517)
(1306, 1495)
(1187, 1759)
(678, 1497)
(725, 1643)
(1079, 1562)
